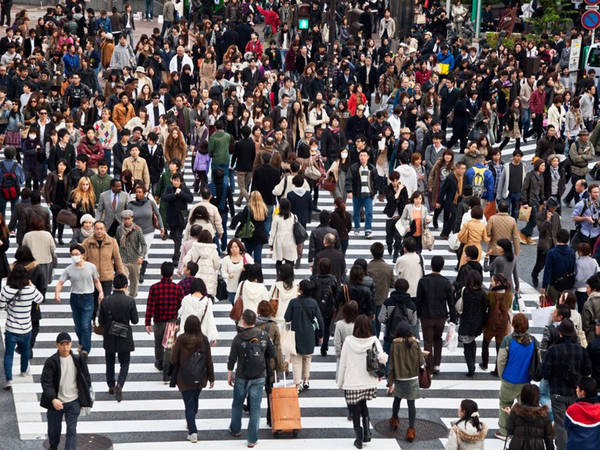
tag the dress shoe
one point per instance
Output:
(523, 238)
(111, 390)
(394, 421)
(410, 434)
(530, 241)
(118, 393)
(535, 281)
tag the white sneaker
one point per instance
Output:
(356, 232)
(193, 438)
(8, 385)
(26, 373)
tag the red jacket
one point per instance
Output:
(271, 18)
(254, 47)
(537, 102)
(94, 151)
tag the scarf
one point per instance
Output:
(522, 338)
(554, 173)
(86, 233)
(126, 231)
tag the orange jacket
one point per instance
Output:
(122, 115)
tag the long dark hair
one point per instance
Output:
(469, 407)
(285, 208)
(285, 274)
(473, 280)
(18, 277)
(507, 248)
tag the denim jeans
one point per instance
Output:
(12, 340)
(107, 157)
(252, 389)
(223, 246)
(190, 400)
(254, 249)
(149, 9)
(525, 119)
(71, 412)
(269, 218)
(545, 396)
(357, 203)
(82, 306)
(124, 358)
(231, 297)
(513, 204)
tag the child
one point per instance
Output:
(468, 432)
(405, 361)
(189, 273)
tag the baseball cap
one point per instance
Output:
(63, 336)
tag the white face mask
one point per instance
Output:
(76, 258)
(32, 136)
(344, 154)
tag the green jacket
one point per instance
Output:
(100, 184)
(219, 147)
(404, 360)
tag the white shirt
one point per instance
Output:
(67, 386)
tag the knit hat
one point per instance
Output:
(87, 218)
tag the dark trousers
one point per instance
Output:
(571, 194)
(436, 215)
(190, 400)
(176, 233)
(432, 337)
(537, 127)
(55, 225)
(393, 238)
(485, 350)
(470, 352)
(459, 134)
(412, 410)
(326, 327)
(71, 412)
(507, 140)
(359, 411)
(540, 261)
(166, 25)
(581, 299)
(560, 403)
(162, 356)
(107, 290)
(124, 358)
(449, 218)
(5, 14)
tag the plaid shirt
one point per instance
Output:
(186, 285)
(563, 361)
(164, 300)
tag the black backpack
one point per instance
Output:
(253, 353)
(399, 314)
(9, 186)
(325, 295)
(194, 369)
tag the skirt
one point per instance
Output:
(353, 397)
(13, 138)
(406, 389)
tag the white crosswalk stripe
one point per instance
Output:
(154, 411)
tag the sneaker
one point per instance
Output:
(26, 373)
(530, 241)
(356, 232)
(523, 238)
(323, 352)
(499, 435)
(251, 445)
(368, 234)
(305, 386)
(8, 385)
(193, 438)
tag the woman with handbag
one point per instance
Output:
(440, 170)
(397, 198)
(414, 218)
(301, 207)
(472, 307)
(283, 291)
(232, 266)
(250, 292)
(56, 192)
(190, 344)
(252, 230)
(353, 376)
(307, 323)
(281, 239)
(337, 173)
(406, 359)
(83, 199)
(199, 304)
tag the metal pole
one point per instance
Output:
(593, 35)
(478, 19)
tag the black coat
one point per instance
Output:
(4, 267)
(548, 181)
(325, 293)
(361, 294)
(316, 240)
(448, 191)
(177, 205)
(474, 315)
(264, 180)
(530, 428)
(121, 308)
(156, 162)
(244, 152)
(337, 259)
(50, 380)
(301, 206)
(593, 350)
(353, 185)
(435, 298)
(394, 206)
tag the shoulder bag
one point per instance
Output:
(459, 303)
(274, 301)
(238, 306)
(427, 239)
(374, 367)
(66, 216)
(424, 377)
(246, 230)
(300, 234)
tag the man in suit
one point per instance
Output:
(30, 44)
(43, 125)
(112, 203)
(120, 308)
(152, 152)
(154, 110)
(367, 76)
(449, 196)
(338, 262)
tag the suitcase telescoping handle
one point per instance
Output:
(284, 379)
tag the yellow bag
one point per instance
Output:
(444, 69)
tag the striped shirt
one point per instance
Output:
(364, 180)
(18, 303)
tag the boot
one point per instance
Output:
(366, 430)
(394, 422)
(359, 436)
(143, 271)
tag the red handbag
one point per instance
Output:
(545, 301)
(424, 378)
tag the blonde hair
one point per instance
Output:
(257, 206)
(86, 199)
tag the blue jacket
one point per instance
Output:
(559, 261)
(71, 63)
(104, 23)
(519, 359)
(582, 422)
(446, 59)
(488, 181)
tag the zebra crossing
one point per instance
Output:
(151, 414)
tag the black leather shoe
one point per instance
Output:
(118, 393)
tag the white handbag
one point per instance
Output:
(453, 242)
(402, 227)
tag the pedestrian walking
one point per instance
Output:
(132, 248)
